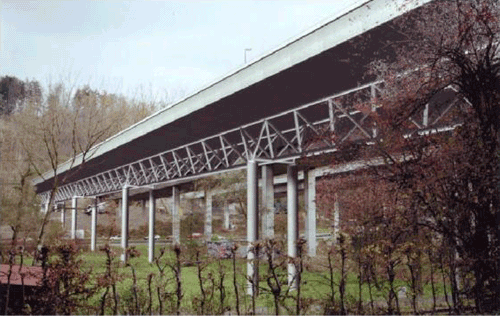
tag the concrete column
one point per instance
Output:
(93, 227)
(292, 222)
(336, 218)
(208, 216)
(227, 216)
(310, 203)
(268, 201)
(124, 236)
(152, 213)
(252, 224)
(74, 206)
(306, 206)
(176, 223)
(63, 215)
(45, 207)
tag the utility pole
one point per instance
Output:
(245, 52)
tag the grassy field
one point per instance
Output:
(315, 285)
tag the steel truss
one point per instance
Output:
(282, 137)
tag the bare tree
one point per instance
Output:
(447, 63)
(66, 127)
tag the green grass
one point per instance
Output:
(314, 289)
(315, 285)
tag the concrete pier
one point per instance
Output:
(151, 232)
(267, 201)
(252, 225)
(310, 203)
(292, 222)
(208, 216)
(176, 222)
(125, 210)
(93, 227)
(74, 206)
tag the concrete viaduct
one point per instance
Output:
(268, 114)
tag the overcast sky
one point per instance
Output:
(171, 46)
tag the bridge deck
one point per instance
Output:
(323, 62)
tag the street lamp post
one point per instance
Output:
(246, 50)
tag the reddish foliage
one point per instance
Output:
(447, 64)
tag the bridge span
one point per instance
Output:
(271, 112)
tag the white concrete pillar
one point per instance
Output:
(152, 215)
(208, 216)
(176, 222)
(74, 206)
(268, 201)
(336, 218)
(252, 224)
(124, 236)
(227, 216)
(93, 227)
(292, 222)
(45, 207)
(310, 203)
(63, 215)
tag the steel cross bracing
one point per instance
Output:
(288, 135)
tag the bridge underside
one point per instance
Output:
(307, 109)
(238, 123)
